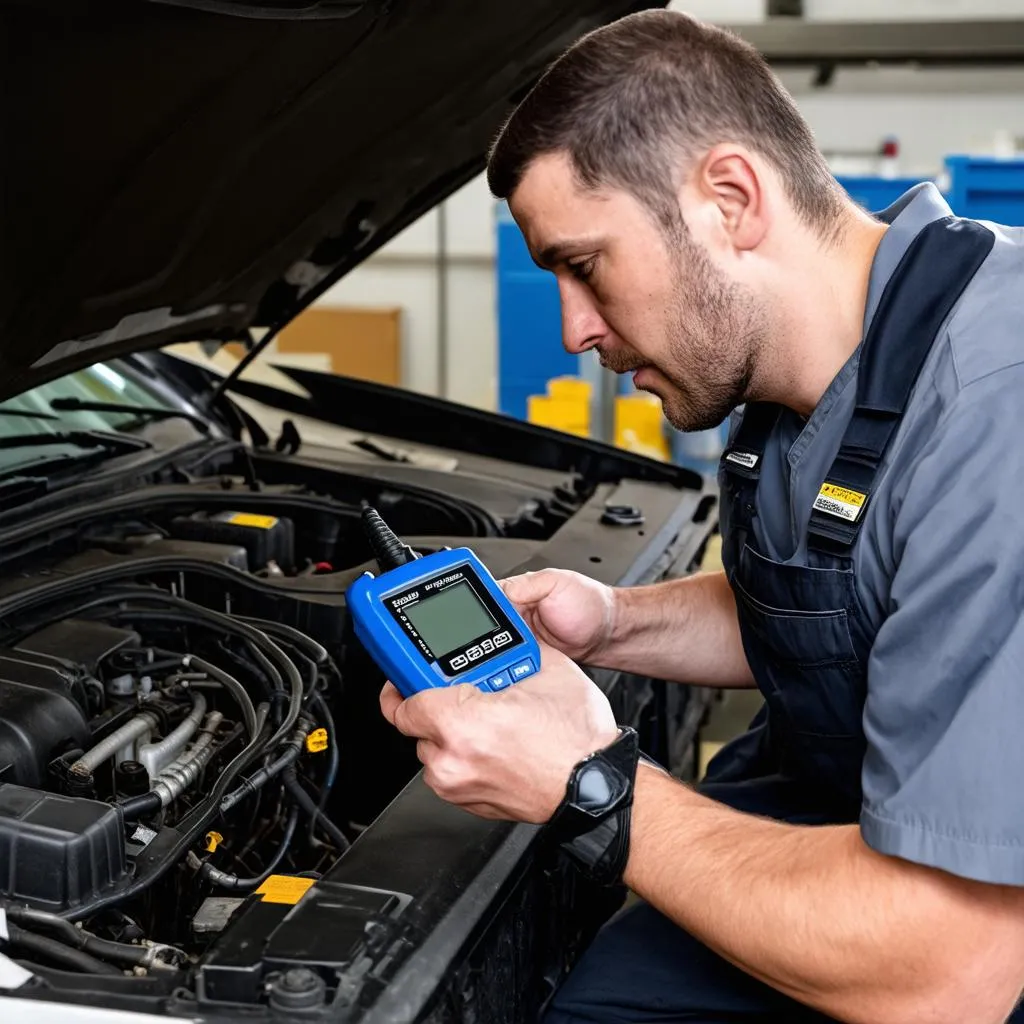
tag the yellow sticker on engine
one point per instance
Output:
(838, 501)
(284, 889)
(316, 741)
(213, 840)
(251, 519)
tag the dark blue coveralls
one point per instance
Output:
(808, 640)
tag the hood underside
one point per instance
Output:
(188, 170)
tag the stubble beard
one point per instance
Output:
(714, 329)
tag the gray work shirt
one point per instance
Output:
(939, 569)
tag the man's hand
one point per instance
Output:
(506, 755)
(565, 610)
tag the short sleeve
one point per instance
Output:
(943, 776)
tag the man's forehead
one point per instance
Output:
(551, 207)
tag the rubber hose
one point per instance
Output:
(236, 884)
(261, 778)
(231, 684)
(204, 616)
(315, 650)
(305, 801)
(77, 938)
(52, 949)
(134, 808)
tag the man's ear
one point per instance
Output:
(729, 180)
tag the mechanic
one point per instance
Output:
(859, 853)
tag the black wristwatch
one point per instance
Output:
(592, 822)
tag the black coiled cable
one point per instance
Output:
(387, 548)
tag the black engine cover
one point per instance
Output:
(57, 852)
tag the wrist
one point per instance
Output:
(614, 626)
(591, 824)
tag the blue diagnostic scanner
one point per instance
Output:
(437, 620)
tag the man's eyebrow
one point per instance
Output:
(557, 252)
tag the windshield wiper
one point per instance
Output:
(68, 403)
(79, 439)
(30, 414)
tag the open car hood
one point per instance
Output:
(190, 169)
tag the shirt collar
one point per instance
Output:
(907, 218)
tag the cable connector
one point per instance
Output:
(387, 548)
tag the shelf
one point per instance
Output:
(793, 41)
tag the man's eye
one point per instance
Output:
(584, 269)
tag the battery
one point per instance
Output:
(265, 538)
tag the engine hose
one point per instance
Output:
(127, 733)
(229, 624)
(175, 777)
(231, 684)
(186, 770)
(314, 650)
(256, 781)
(157, 756)
(190, 828)
(78, 938)
(305, 801)
(225, 880)
(268, 650)
(206, 617)
(52, 949)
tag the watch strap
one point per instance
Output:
(592, 822)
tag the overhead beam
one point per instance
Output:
(794, 41)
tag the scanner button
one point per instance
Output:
(474, 653)
(522, 669)
(459, 661)
(503, 638)
(488, 646)
(500, 681)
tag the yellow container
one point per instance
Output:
(572, 389)
(640, 426)
(568, 415)
(566, 406)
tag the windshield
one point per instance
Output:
(100, 382)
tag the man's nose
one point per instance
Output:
(582, 325)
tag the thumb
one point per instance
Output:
(420, 716)
(530, 587)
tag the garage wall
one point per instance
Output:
(450, 337)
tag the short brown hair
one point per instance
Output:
(631, 101)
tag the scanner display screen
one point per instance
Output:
(450, 619)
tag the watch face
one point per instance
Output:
(598, 786)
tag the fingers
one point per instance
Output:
(426, 750)
(424, 715)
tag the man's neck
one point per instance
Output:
(825, 299)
